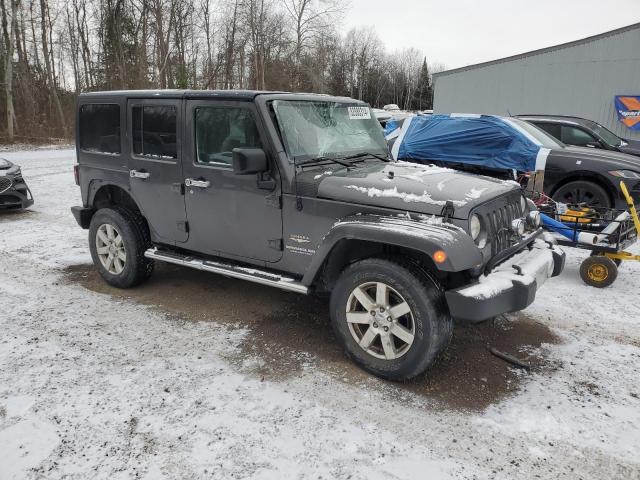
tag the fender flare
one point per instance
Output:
(462, 252)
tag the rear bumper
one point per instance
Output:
(510, 287)
(82, 215)
(16, 197)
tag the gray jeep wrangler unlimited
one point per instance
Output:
(297, 191)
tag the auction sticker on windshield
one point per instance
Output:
(359, 113)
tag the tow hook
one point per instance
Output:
(518, 269)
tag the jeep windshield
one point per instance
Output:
(324, 130)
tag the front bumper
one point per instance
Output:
(16, 196)
(511, 285)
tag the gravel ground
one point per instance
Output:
(197, 376)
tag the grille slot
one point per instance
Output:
(5, 184)
(499, 216)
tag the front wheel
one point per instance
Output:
(390, 318)
(117, 241)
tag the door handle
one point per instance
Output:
(190, 182)
(139, 174)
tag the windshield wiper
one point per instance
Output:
(339, 160)
(366, 154)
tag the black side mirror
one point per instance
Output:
(249, 160)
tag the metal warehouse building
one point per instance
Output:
(579, 78)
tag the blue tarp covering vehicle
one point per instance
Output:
(486, 141)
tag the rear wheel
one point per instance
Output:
(583, 191)
(598, 271)
(117, 241)
(390, 318)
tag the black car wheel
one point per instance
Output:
(390, 317)
(583, 191)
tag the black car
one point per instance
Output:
(297, 192)
(14, 193)
(581, 132)
(586, 175)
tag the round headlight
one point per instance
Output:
(534, 219)
(475, 227)
(517, 226)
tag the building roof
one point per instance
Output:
(532, 53)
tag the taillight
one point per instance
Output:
(76, 174)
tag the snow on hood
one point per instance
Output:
(415, 187)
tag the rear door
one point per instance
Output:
(155, 170)
(229, 214)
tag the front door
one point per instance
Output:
(154, 166)
(228, 214)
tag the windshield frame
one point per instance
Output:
(376, 146)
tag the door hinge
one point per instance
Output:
(276, 244)
(183, 226)
(178, 188)
(275, 200)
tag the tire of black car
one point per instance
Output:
(595, 191)
(431, 320)
(135, 238)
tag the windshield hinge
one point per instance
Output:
(447, 211)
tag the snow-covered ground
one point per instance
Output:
(95, 385)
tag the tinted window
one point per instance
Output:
(154, 131)
(219, 130)
(552, 129)
(100, 128)
(576, 136)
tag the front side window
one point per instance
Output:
(100, 128)
(154, 131)
(221, 129)
(312, 129)
(576, 136)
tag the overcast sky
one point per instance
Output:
(463, 32)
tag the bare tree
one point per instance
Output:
(9, 26)
(309, 18)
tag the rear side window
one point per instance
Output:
(100, 128)
(552, 129)
(155, 131)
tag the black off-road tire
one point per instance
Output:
(598, 271)
(132, 227)
(433, 323)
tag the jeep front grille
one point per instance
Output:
(498, 216)
(5, 184)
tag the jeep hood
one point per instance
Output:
(412, 187)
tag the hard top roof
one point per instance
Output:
(218, 94)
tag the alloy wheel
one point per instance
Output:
(110, 249)
(380, 320)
